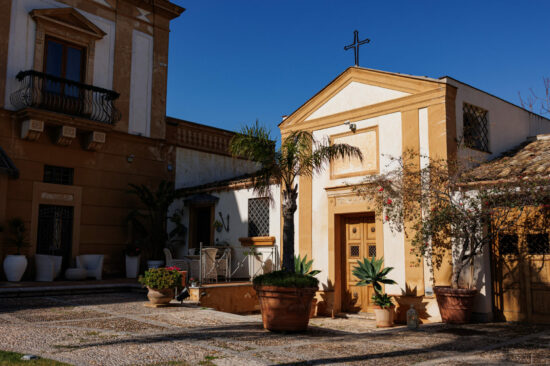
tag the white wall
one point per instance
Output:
(235, 204)
(509, 125)
(196, 167)
(390, 145)
(141, 84)
(22, 40)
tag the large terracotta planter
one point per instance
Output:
(455, 304)
(285, 308)
(384, 316)
(160, 297)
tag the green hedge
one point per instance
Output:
(286, 279)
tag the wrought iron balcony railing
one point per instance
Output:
(44, 91)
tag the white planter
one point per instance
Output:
(132, 266)
(154, 264)
(14, 267)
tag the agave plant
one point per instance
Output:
(370, 272)
(303, 266)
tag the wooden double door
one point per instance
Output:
(359, 241)
(521, 277)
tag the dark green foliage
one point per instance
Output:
(286, 279)
(17, 233)
(303, 266)
(149, 225)
(382, 300)
(160, 278)
(372, 273)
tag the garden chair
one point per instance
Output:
(208, 265)
(182, 264)
(223, 265)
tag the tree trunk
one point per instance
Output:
(290, 196)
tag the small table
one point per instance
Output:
(76, 274)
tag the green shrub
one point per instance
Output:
(160, 278)
(286, 279)
(382, 300)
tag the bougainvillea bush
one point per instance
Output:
(443, 211)
(161, 278)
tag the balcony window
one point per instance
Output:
(66, 61)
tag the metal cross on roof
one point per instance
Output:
(355, 45)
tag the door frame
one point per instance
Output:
(344, 201)
(58, 195)
(193, 222)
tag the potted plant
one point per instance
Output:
(303, 266)
(150, 224)
(285, 296)
(372, 273)
(161, 284)
(218, 226)
(16, 264)
(132, 255)
(451, 218)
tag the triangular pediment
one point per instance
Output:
(355, 95)
(357, 89)
(68, 18)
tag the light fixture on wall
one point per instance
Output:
(130, 158)
(352, 126)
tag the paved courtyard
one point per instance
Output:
(116, 329)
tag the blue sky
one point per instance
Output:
(232, 62)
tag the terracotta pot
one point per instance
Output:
(313, 308)
(160, 297)
(384, 316)
(285, 308)
(455, 304)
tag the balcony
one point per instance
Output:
(47, 92)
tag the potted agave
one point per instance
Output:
(372, 273)
(303, 266)
(16, 264)
(161, 284)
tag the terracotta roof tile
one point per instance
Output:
(532, 158)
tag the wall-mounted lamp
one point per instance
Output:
(352, 126)
(130, 158)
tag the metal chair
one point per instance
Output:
(209, 270)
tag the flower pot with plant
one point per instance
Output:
(161, 284)
(285, 296)
(303, 266)
(16, 264)
(132, 257)
(372, 273)
(148, 224)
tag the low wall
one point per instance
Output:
(236, 298)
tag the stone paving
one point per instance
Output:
(116, 329)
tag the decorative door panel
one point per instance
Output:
(359, 242)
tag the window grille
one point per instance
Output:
(354, 251)
(476, 127)
(508, 244)
(258, 217)
(538, 244)
(58, 175)
(372, 251)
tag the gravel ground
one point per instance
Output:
(116, 329)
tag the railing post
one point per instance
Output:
(200, 264)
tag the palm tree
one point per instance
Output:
(299, 155)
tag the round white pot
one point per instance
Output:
(132, 266)
(14, 267)
(154, 264)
